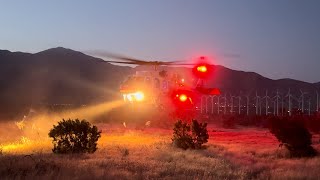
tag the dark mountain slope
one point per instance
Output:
(56, 75)
(61, 75)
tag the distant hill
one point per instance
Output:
(55, 76)
(61, 75)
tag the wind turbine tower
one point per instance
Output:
(218, 104)
(277, 102)
(289, 96)
(257, 103)
(302, 100)
(248, 105)
(266, 97)
(239, 105)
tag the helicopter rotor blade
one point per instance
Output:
(135, 61)
(143, 62)
(155, 63)
(120, 57)
(121, 62)
(173, 62)
(181, 64)
(125, 59)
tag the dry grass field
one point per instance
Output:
(127, 153)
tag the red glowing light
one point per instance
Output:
(183, 97)
(202, 68)
(214, 91)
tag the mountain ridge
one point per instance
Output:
(62, 75)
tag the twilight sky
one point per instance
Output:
(276, 38)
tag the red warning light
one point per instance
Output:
(202, 71)
(202, 68)
(183, 97)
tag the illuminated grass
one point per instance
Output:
(135, 154)
(26, 146)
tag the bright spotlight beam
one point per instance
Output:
(93, 111)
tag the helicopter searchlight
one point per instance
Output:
(131, 97)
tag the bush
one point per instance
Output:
(181, 135)
(74, 136)
(293, 135)
(190, 136)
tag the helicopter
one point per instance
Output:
(162, 89)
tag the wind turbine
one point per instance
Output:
(309, 107)
(266, 97)
(225, 104)
(207, 104)
(277, 102)
(248, 104)
(218, 104)
(257, 102)
(260, 105)
(212, 98)
(239, 104)
(302, 100)
(231, 103)
(289, 96)
(274, 107)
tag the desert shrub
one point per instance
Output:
(199, 133)
(74, 136)
(293, 135)
(181, 135)
(190, 136)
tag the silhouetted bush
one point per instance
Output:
(181, 135)
(293, 135)
(199, 133)
(190, 136)
(74, 136)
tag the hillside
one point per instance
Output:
(55, 76)
(65, 76)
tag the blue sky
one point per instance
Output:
(276, 38)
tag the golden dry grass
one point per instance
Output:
(135, 154)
